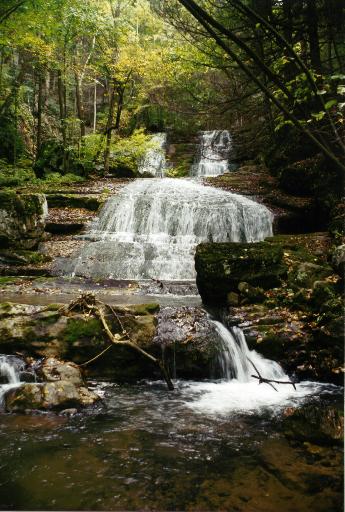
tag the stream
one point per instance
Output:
(208, 445)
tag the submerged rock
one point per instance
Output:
(22, 219)
(315, 424)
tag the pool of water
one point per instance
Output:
(205, 446)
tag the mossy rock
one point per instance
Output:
(305, 274)
(22, 219)
(221, 267)
(74, 201)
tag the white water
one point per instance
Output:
(238, 391)
(150, 229)
(213, 154)
(154, 162)
(10, 371)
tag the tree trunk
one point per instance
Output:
(109, 127)
(62, 108)
(95, 107)
(80, 106)
(40, 103)
(120, 93)
(313, 36)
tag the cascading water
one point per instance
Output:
(238, 391)
(150, 229)
(235, 357)
(154, 162)
(213, 154)
(10, 369)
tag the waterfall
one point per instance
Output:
(235, 354)
(213, 153)
(10, 369)
(150, 229)
(154, 160)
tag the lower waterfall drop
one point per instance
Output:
(235, 356)
(150, 229)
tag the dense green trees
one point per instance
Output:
(75, 76)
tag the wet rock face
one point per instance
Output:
(188, 340)
(22, 219)
(62, 387)
(312, 423)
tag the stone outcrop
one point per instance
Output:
(221, 267)
(22, 219)
(183, 336)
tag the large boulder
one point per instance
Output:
(48, 395)
(221, 267)
(22, 219)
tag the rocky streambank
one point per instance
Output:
(182, 337)
(286, 294)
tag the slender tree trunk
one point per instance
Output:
(120, 93)
(313, 36)
(95, 107)
(109, 127)
(62, 108)
(40, 103)
(80, 106)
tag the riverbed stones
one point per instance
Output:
(22, 219)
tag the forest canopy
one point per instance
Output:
(83, 83)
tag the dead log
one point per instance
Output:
(87, 303)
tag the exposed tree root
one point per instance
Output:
(87, 303)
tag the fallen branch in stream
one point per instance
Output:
(270, 382)
(88, 303)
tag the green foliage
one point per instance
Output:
(12, 144)
(180, 171)
(16, 175)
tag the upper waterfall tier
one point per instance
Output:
(151, 228)
(154, 161)
(213, 153)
